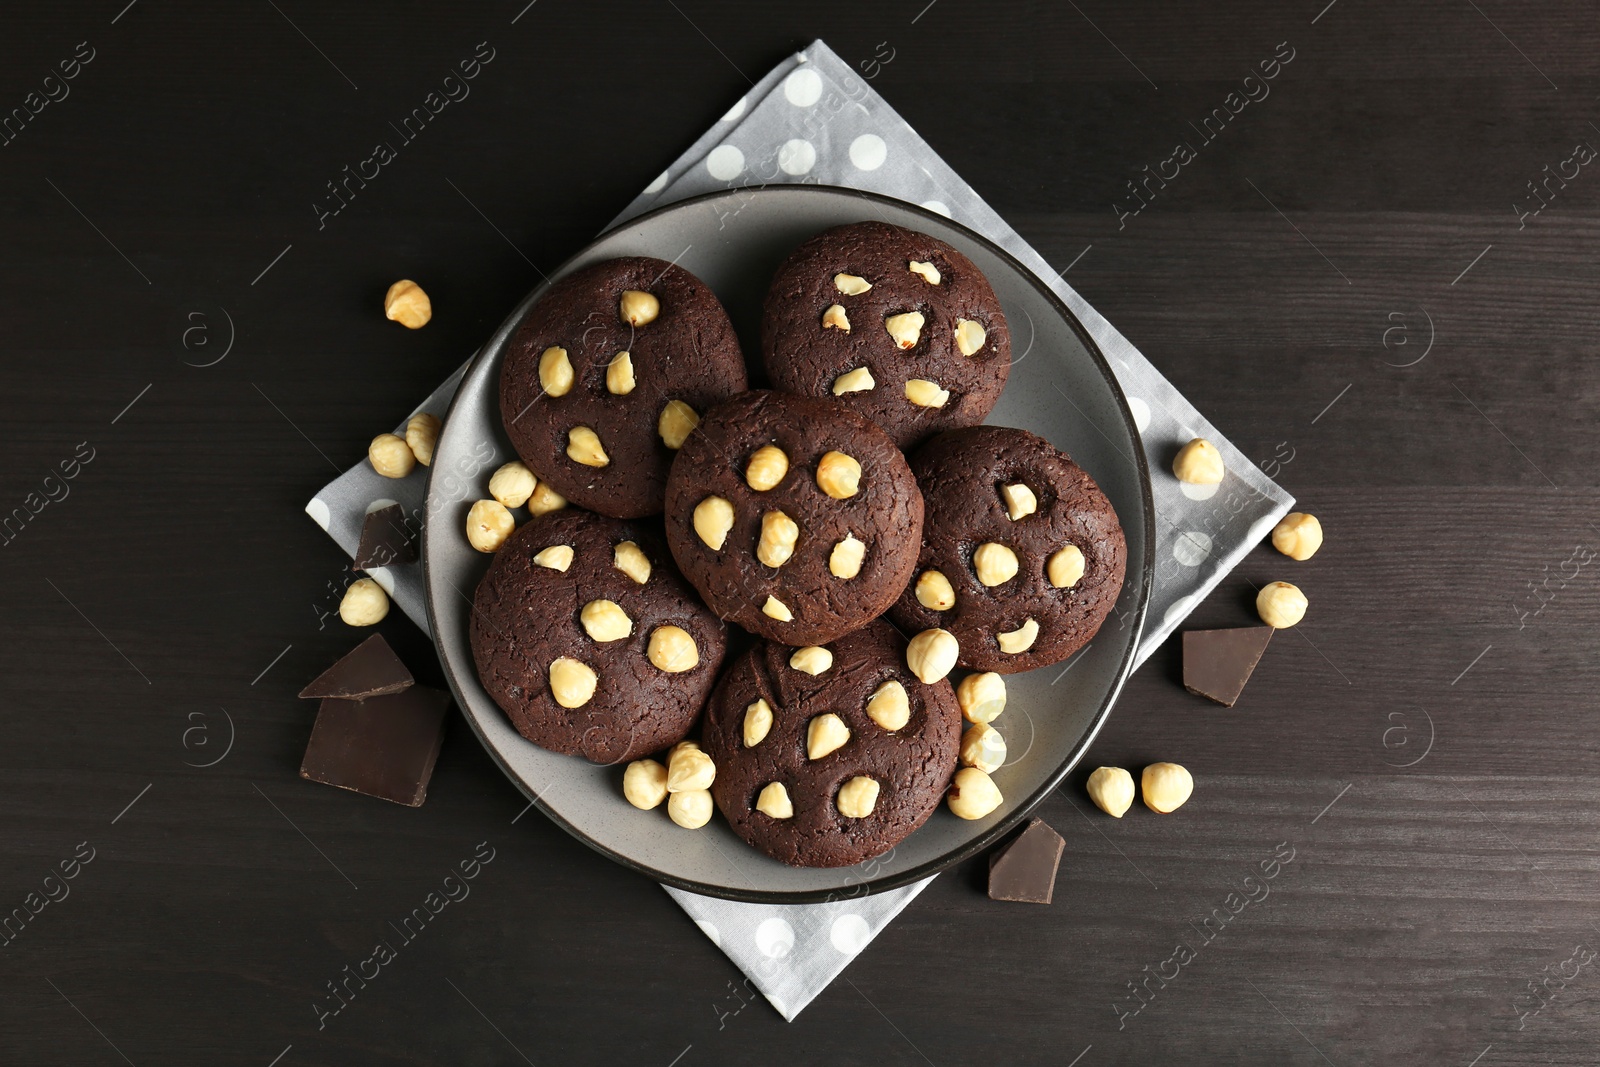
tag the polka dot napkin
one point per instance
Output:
(813, 119)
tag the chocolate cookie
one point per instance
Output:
(1022, 555)
(794, 517)
(898, 325)
(829, 756)
(591, 642)
(608, 373)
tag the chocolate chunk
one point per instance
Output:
(383, 746)
(1217, 663)
(1025, 870)
(371, 669)
(385, 540)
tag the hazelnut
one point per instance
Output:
(630, 559)
(766, 468)
(1198, 463)
(364, 603)
(512, 484)
(970, 337)
(776, 609)
(604, 620)
(905, 329)
(813, 660)
(825, 734)
(638, 308)
(1019, 640)
(859, 380)
(982, 696)
(926, 271)
(676, 423)
(973, 794)
(391, 456)
(713, 518)
(926, 394)
(1281, 605)
(1166, 786)
(672, 650)
(858, 797)
(839, 475)
(1020, 501)
(689, 768)
(488, 525)
(757, 722)
(583, 446)
(778, 536)
(934, 591)
(851, 284)
(691, 810)
(644, 784)
(1065, 566)
(555, 371)
(888, 706)
(1298, 535)
(1111, 789)
(845, 559)
(983, 747)
(931, 654)
(407, 304)
(572, 683)
(556, 557)
(619, 374)
(774, 801)
(995, 564)
(422, 434)
(545, 500)
(835, 318)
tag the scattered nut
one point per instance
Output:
(673, 650)
(982, 697)
(839, 475)
(983, 747)
(1020, 501)
(757, 722)
(556, 557)
(889, 706)
(391, 456)
(851, 284)
(934, 591)
(364, 603)
(583, 446)
(676, 423)
(572, 683)
(1166, 786)
(766, 468)
(422, 434)
(779, 533)
(905, 329)
(927, 271)
(835, 318)
(691, 810)
(926, 394)
(1111, 789)
(638, 308)
(858, 797)
(1298, 535)
(1198, 463)
(859, 380)
(973, 794)
(931, 654)
(512, 484)
(995, 564)
(545, 500)
(713, 518)
(813, 659)
(845, 559)
(407, 304)
(604, 620)
(1019, 640)
(555, 371)
(689, 768)
(1065, 567)
(776, 609)
(774, 801)
(644, 783)
(1281, 605)
(488, 525)
(825, 734)
(970, 336)
(630, 559)
(619, 374)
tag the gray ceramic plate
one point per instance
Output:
(1060, 388)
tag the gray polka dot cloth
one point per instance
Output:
(813, 119)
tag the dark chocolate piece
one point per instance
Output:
(1217, 663)
(382, 746)
(385, 540)
(371, 669)
(1025, 870)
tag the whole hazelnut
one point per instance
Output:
(1198, 463)
(391, 456)
(488, 525)
(973, 794)
(364, 603)
(1281, 605)
(512, 484)
(407, 304)
(422, 434)
(1298, 535)
(1166, 786)
(644, 784)
(1111, 789)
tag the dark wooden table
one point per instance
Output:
(1340, 277)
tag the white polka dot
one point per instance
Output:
(774, 938)
(850, 934)
(710, 931)
(318, 512)
(381, 502)
(1191, 548)
(803, 88)
(868, 152)
(938, 207)
(1259, 529)
(1198, 492)
(778, 1004)
(659, 184)
(1177, 610)
(1141, 413)
(735, 111)
(725, 162)
(797, 157)
(382, 576)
